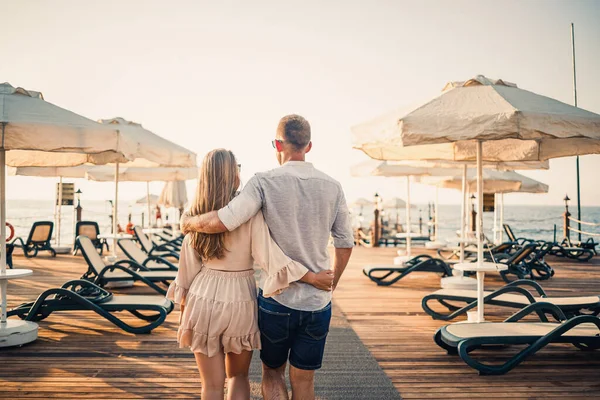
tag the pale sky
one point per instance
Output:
(221, 74)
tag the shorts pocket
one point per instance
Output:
(318, 328)
(275, 326)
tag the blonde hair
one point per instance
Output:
(217, 183)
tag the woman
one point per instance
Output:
(216, 289)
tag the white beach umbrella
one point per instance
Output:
(139, 174)
(151, 151)
(496, 182)
(481, 119)
(37, 133)
(173, 195)
(379, 168)
(493, 181)
(78, 171)
(378, 138)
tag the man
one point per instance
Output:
(302, 207)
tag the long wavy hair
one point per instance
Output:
(217, 183)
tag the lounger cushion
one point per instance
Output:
(152, 275)
(522, 332)
(520, 300)
(130, 300)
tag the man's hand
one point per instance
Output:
(322, 280)
(205, 223)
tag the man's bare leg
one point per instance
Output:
(273, 383)
(303, 384)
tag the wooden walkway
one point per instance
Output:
(81, 356)
(392, 324)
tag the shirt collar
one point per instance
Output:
(297, 163)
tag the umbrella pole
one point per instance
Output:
(148, 202)
(408, 232)
(479, 231)
(495, 218)
(575, 103)
(436, 226)
(115, 211)
(501, 233)
(463, 213)
(59, 213)
(3, 282)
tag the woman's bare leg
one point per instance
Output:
(238, 385)
(212, 373)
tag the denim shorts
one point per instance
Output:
(287, 334)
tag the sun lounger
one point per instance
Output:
(134, 253)
(513, 295)
(151, 248)
(526, 263)
(38, 239)
(423, 263)
(453, 252)
(91, 230)
(564, 249)
(121, 271)
(582, 331)
(166, 238)
(81, 295)
(589, 244)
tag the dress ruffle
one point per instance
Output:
(176, 293)
(280, 280)
(211, 346)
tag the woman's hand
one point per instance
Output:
(322, 280)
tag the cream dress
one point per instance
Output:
(220, 313)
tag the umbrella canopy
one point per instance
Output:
(516, 124)
(52, 172)
(151, 150)
(32, 128)
(361, 202)
(139, 174)
(153, 200)
(395, 202)
(174, 194)
(106, 173)
(493, 182)
(386, 169)
(495, 165)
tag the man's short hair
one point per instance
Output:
(294, 130)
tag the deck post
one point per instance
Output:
(566, 215)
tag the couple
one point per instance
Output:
(282, 221)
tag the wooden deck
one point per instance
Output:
(81, 356)
(392, 324)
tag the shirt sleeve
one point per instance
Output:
(190, 265)
(341, 230)
(242, 207)
(280, 270)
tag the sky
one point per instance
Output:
(221, 74)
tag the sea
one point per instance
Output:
(536, 222)
(23, 213)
